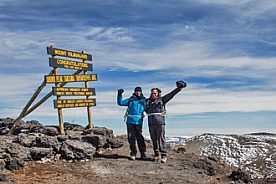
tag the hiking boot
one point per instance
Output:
(132, 157)
(163, 159)
(144, 157)
(157, 157)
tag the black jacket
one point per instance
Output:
(156, 108)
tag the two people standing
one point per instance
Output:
(156, 111)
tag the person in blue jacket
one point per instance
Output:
(134, 115)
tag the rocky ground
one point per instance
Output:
(254, 153)
(113, 166)
(38, 155)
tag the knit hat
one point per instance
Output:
(138, 89)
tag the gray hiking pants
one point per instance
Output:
(157, 135)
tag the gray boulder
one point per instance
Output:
(14, 164)
(62, 138)
(4, 130)
(3, 177)
(6, 122)
(18, 151)
(2, 164)
(71, 126)
(101, 137)
(97, 141)
(238, 175)
(22, 127)
(47, 142)
(114, 143)
(99, 131)
(76, 150)
(39, 153)
(73, 134)
(27, 140)
(37, 129)
(4, 154)
(33, 123)
(50, 131)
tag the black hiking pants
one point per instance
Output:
(157, 135)
(134, 132)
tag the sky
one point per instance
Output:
(225, 50)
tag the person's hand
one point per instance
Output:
(120, 92)
(181, 84)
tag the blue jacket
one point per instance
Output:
(136, 108)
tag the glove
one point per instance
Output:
(181, 84)
(120, 92)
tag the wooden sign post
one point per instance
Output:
(57, 79)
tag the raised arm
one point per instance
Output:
(120, 100)
(180, 85)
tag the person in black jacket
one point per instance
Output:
(155, 108)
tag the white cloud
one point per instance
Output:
(111, 34)
(194, 99)
(110, 47)
(199, 100)
(189, 58)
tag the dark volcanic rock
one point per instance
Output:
(3, 177)
(39, 153)
(240, 175)
(2, 164)
(4, 130)
(51, 131)
(114, 142)
(3, 153)
(14, 164)
(22, 127)
(62, 138)
(74, 127)
(97, 141)
(73, 134)
(76, 150)
(101, 137)
(99, 131)
(6, 122)
(18, 151)
(47, 142)
(33, 141)
(27, 140)
(37, 129)
(33, 123)
(205, 165)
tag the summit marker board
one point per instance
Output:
(70, 64)
(70, 78)
(71, 103)
(73, 91)
(66, 53)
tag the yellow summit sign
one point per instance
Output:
(69, 64)
(70, 78)
(66, 53)
(62, 91)
(70, 103)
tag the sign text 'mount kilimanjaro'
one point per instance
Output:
(70, 103)
(70, 78)
(69, 64)
(66, 53)
(62, 91)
